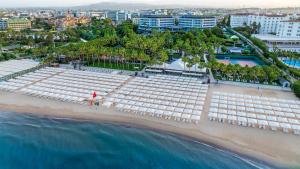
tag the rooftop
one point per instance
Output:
(156, 16)
(17, 20)
(269, 37)
(196, 16)
(292, 20)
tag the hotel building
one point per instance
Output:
(281, 31)
(268, 23)
(18, 24)
(196, 22)
(159, 22)
(186, 23)
(3, 24)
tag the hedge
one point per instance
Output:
(296, 88)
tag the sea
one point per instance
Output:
(36, 142)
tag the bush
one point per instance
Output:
(295, 72)
(296, 88)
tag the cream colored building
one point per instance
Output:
(18, 24)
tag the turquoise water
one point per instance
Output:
(250, 61)
(29, 142)
(292, 63)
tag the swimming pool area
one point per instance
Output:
(291, 63)
(242, 60)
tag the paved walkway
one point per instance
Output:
(253, 85)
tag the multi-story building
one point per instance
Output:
(196, 22)
(239, 20)
(18, 24)
(122, 16)
(267, 23)
(164, 22)
(287, 36)
(159, 22)
(3, 24)
(69, 21)
(289, 28)
(112, 15)
(118, 16)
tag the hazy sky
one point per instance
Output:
(204, 3)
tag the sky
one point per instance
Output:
(201, 3)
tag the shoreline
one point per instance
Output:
(205, 132)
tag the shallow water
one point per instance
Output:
(30, 142)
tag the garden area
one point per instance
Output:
(118, 66)
(255, 74)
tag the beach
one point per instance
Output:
(276, 148)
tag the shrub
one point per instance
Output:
(296, 88)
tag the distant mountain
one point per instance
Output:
(128, 6)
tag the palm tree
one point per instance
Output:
(185, 60)
(196, 60)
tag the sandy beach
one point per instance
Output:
(276, 148)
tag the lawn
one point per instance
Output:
(119, 66)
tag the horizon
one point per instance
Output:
(186, 3)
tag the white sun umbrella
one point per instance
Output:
(232, 112)
(198, 107)
(294, 121)
(252, 122)
(285, 127)
(242, 121)
(296, 129)
(296, 111)
(282, 119)
(214, 105)
(251, 115)
(231, 119)
(185, 116)
(261, 117)
(241, 108)
(196, 118)
(179, 110)
(268, 107)
(291, 115)
(224, 106)
(274, 125)
(177, 116)
(212, 116)
(222, 111)
(127, 107)
(197, 112)
(232, 107)
(151, 111)
(262, 123)
(188, 111)
(159, 113)
(169, 108)
(167, 114)
(241, 114)
(222, 117)
(271, 118)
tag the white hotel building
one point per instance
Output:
(282, 31)
(186, 23)
(196, 22)
(159, 22)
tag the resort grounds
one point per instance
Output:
(65, 93)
